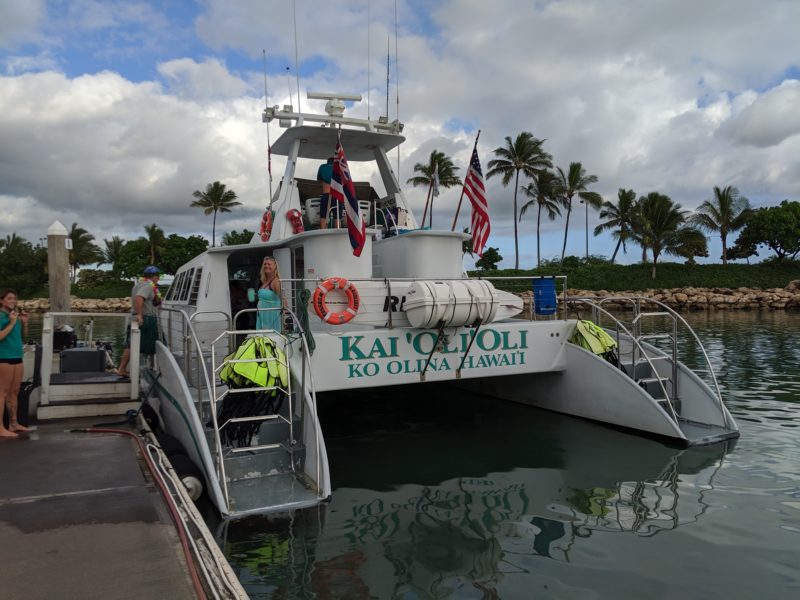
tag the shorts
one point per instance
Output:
(149, 335)
(336, 209)
(10, 361)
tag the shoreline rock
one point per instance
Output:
(689, 298)
(107, 305)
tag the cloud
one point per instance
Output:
(207, 80)
(19, 21)
(769, 119)
(114, 155)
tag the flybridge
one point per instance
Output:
(334, 107)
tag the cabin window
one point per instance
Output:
(195, 289)
(186, 284)
(175, 288)
(168, 295)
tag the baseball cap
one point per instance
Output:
(151, 270)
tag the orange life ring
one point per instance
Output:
(266, 226)
(321, 307)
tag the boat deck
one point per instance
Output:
(80, 519)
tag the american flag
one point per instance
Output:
(343, 191)
(476, 192)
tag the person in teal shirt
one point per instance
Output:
(324, 176)
(13, 327)
(269, 296)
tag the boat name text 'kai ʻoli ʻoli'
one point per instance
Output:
(491, 348)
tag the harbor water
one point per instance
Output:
(442, 494)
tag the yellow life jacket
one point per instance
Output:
(270, 369)
(593, 338)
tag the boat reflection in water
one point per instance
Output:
(441, 493)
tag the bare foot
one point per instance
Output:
(19, 428)
(122, 373)
(5, 433)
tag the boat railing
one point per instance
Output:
(544, 303)
(220, 393)
(620, 327)
(48, 334)
(291, 330)
(205, 326)
(189, 345)
(637, 302)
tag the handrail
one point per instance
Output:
(636, 301)
(619, 324)
(193, 335)
(48, 324)
(312, 392)
(564, 296)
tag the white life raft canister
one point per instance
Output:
(454, 303)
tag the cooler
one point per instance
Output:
(83, 360)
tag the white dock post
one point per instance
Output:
(58, 268)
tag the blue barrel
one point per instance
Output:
(544, 296)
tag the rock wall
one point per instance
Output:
(703, 298)
(109, 305)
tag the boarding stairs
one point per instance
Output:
(648, 344)
(267, 468)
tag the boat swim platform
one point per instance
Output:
(80, 519)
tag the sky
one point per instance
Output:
(113, 112)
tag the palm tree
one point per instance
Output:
(575, 181)
(726, 213)
(541, 193)
(691, 242)
(11, 241)
(113, 252)
(447, 176)
(522, 154)
(621, 217)
(661, 226)
(83, 252)
(156, 242)
(215, 199)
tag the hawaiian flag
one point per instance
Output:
(475, 190)
(343, 191)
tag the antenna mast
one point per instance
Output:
(369, 20)
(289, 85)
(269, 144)
(296, 64)
(396, 83)
(387, 77)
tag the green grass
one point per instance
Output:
(604, 276)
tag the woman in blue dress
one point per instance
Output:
(269, 296)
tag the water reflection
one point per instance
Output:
(448, 499)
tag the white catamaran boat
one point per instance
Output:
(402, 313)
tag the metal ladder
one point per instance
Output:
(219, 392)
(639, 354)
(667, 386)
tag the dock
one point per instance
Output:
(81, 517)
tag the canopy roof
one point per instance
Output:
(320, 142)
